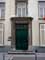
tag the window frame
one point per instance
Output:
(1, 8)
(40, 30)
(21, 7)
(2, 30)
(40, 6)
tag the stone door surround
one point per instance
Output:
(24, 20)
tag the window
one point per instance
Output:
(41, 9)
(2, 10)
(42, 34)
(21, 9)
(1, 34)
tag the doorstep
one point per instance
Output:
(27, 52)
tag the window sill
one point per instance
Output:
(41, 18)
(2, 18)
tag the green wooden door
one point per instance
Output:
(21, 36)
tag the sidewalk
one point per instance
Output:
(8, 54)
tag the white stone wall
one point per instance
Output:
(35, 33)
(10, 12)
(32, 11)
(7, 22)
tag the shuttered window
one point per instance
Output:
(42, 34)
(1, 34)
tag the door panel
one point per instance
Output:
(21, 36)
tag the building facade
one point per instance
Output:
(22, 23)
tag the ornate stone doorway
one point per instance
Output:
(21, 32)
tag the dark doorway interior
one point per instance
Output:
(21, 36)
